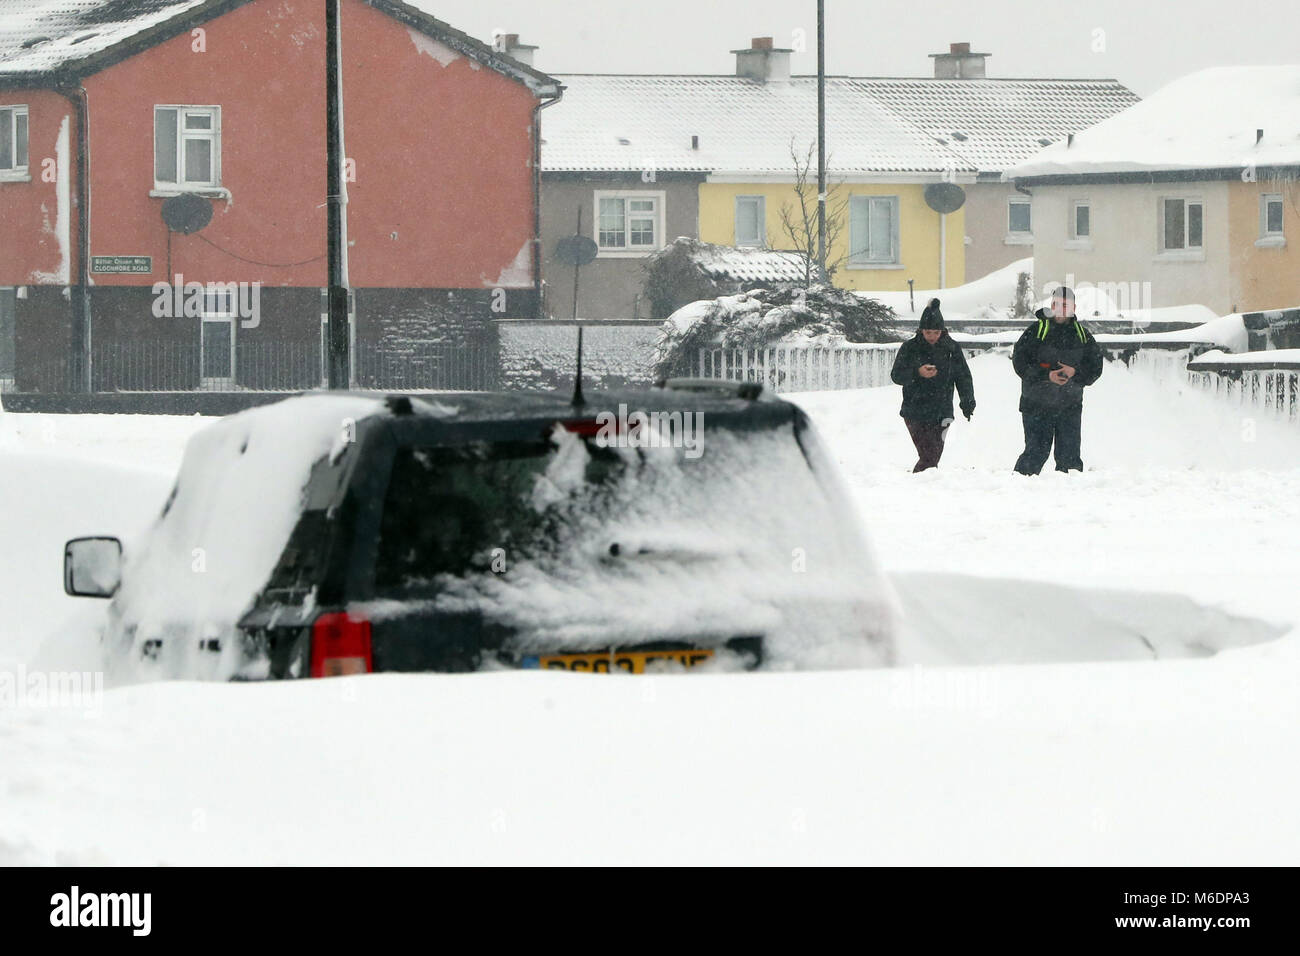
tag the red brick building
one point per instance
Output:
(109, 110)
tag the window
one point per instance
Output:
(187, 147)
(1182, 225)
(1270, 216)
(13, 141)
(873, 230)
(629, 222)
(751, 221)
(1081, 221)
(1018, 218)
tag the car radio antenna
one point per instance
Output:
(578, 400)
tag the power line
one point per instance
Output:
(256, 262)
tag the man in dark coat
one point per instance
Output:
(928, 366)
(1056, 359)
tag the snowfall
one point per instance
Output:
(1097, 668)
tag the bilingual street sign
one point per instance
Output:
(129, 265)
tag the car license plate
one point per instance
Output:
(628, 662)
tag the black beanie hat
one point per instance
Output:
(931, 317)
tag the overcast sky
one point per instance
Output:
(1144, 45)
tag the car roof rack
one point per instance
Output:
(714, 386)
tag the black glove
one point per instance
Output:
(968, 410)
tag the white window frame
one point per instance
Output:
(761, 218)
(1267, 237)
(1020, 237)
(1075, 206)
(17, 172)
(626, 251)
(1187, 250)
(212, 135)
(864, 261)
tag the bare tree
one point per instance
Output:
(799, 218)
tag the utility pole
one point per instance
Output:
(336, 330)
(821, 138)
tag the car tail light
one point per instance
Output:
(340, 645)
(584, 427)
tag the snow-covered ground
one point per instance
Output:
(1185, 528)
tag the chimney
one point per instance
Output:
(762, 61)
(959, 63)
(508, 43)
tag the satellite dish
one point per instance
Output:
(576, 250)
(186, 213)
(945, 197)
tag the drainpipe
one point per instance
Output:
(81, 327)
(537, 201)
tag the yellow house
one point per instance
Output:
(1264, 241)
(906, 246)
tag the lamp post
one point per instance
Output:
(821, 138)
(336, 329)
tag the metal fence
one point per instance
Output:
(1272, 392)
(796, 368)
(264, 367)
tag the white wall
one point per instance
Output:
(1125, 244)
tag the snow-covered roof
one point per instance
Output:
(630, 122)
(996, 123)
(750, 265)
(40, 38)
(874, 124)
(1206, 120)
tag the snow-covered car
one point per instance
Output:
(695, 525)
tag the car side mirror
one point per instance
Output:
(92, 567)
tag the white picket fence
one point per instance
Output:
(1271, 392)
(797, 368)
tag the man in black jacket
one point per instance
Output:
(1056, 358)
(928, 366)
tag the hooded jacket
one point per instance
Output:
(930, 399)
(1046, 345)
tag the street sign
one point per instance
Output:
(131, 265)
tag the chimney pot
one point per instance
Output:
(958, 47)
(510, 39)
(695, 142)
(761, 43)
(1259, 135)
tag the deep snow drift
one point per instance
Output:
(1190, 512)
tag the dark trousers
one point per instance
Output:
(928, 438)
(1043, 427)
